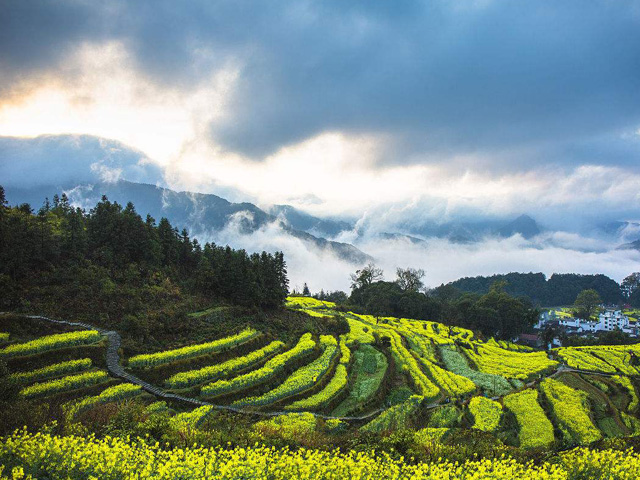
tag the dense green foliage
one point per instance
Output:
(112, 258)
(495, 313)
(558, 289)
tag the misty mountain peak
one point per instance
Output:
(523, 225)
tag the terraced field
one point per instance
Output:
(382, 374)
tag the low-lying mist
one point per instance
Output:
(442, 260)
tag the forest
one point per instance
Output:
(65, 260)
(558, 289)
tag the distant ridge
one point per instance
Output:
(198, 212)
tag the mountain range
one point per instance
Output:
(32, 169)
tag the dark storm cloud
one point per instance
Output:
(527, 82)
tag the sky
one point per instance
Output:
(406, 110)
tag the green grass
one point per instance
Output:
(397, 417)
(457, 363)
(368, 370)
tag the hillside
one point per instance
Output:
(380, 375)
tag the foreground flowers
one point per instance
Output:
(47, 456)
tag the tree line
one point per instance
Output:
(558, 289)
(495, 313)
(65, 248)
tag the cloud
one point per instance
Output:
(305, 263)
(396, 115)
(67, 160)
(509, 82)
(443, 261)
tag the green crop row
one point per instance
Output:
(51, 371)
(510, 364)
(397, 417)
(108, 395)
(486, 413)
(168, 356)
(4, 337)
(409, 365)
(70, 382)
(570, 409)
(583, 360)
(455, 385)
(535, 428)
(51, 342)
(302, 379)
(323, 397)
(271, 368)
(215, 372)
(457, 363)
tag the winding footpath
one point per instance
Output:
(116, 369)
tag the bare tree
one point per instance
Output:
(366, 276)
(410, 279)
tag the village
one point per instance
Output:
(564, 323)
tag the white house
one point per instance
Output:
(608, 320)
